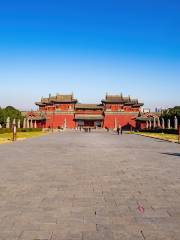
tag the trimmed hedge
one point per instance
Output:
(29, 129)
(8, 130)
(159, 130)
(5, 130)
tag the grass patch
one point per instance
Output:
(7, 137)
(9, 130)
(163, 136)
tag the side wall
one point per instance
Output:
(41, 124)
(58, 120)
(122, 119)
(140, 125)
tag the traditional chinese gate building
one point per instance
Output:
(65, 111)
(59, 110)
(89, 115)
(120, 111)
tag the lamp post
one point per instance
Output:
(179, 134)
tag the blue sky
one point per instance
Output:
(90, 48)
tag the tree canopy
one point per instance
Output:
(171, 113)
(10, 112)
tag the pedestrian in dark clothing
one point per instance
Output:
(121, 131)
(118, 130)
(107, 129)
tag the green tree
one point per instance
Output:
(1, 116)
(10, 112)
(171, 113)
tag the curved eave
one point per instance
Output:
(46, 104)
(40, 104)
(89, 108)
(37, 118)
(138, 105)
(113, 102)
(62, 102)
(141, 119)
(128, 104)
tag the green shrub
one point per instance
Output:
(29, 129)
(5, 130)
(159, 130)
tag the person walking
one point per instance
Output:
(107, 129)
(118, 130)
(121, 131)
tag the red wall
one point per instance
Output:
(41, 124)
(141, 125)
(121, 119)
(57, 120)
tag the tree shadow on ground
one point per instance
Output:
(172, 154)
(159, 140)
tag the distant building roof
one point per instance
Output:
(148, 117)
(144, 119)
(35, 115)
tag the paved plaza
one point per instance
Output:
(90, 186)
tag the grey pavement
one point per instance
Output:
(90, 186)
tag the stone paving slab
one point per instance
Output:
(88, 186)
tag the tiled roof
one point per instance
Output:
(68, 98)
(35, 115)
(138, 105)
(120, 99)
(38, 118)
(144, 119)
(62, 98)
(40, 104)
(56, 99)
(116, 98)
(88, 106)
(135, 101)
(147, 117)
(44, 100)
